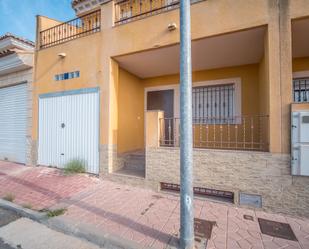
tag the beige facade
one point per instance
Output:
(13, 79)
(17, 78)
(257, 43)
(16, 67)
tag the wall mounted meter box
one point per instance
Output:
(300, 142)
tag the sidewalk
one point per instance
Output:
(148, 218)
(40, 187)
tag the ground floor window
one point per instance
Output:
(214, 104)
(301, 90)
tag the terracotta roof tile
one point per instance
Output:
(7, 52)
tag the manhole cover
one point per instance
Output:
(203, 228)
(277, 229)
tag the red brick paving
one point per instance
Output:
(141, 215)
(152, 219)
(40, 187)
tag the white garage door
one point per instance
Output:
(69, 128)
(13, 123)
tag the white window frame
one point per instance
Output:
(175, 87)
(301, 74)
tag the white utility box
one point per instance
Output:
(300, 142)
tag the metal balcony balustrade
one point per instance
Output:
(232, 133)
(75, 28)
(129, 10)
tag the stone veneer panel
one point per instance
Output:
(109, 160)
(259, 173)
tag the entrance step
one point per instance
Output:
(131, 180)
(135, 162)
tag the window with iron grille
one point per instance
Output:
(301, 90)
(214, 104)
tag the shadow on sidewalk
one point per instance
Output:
(117, 218)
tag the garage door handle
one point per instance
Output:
(62, 154)
(62, 125)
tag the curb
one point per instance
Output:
(100, 238)
(24, 212)
(82, 231)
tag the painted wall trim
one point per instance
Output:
(70, 92)
(15, 62)
(11, 42)
(174, 87)
(301, 74)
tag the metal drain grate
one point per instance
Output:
(277, 229)
(226, 195)
(203, 228)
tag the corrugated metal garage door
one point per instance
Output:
(69, 128)
(13, 123)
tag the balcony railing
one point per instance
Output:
(234, 133)
(75, 28)
(129, 10)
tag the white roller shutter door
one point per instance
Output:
(13, 123)
(69, 129)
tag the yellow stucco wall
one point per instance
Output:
(78, 58)
(46, 22)
(131, 99)
(301, 64)
(248, 75)
(98, 69)
(130, 112)
(223, 16)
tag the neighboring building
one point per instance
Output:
(16, 62)
(106, 90)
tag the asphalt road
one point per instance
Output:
(4, 245)
(7, 217)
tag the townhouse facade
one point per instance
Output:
(16, 74)
(106, 90)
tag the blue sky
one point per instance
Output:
(18, 16)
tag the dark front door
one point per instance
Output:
(163, 100)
